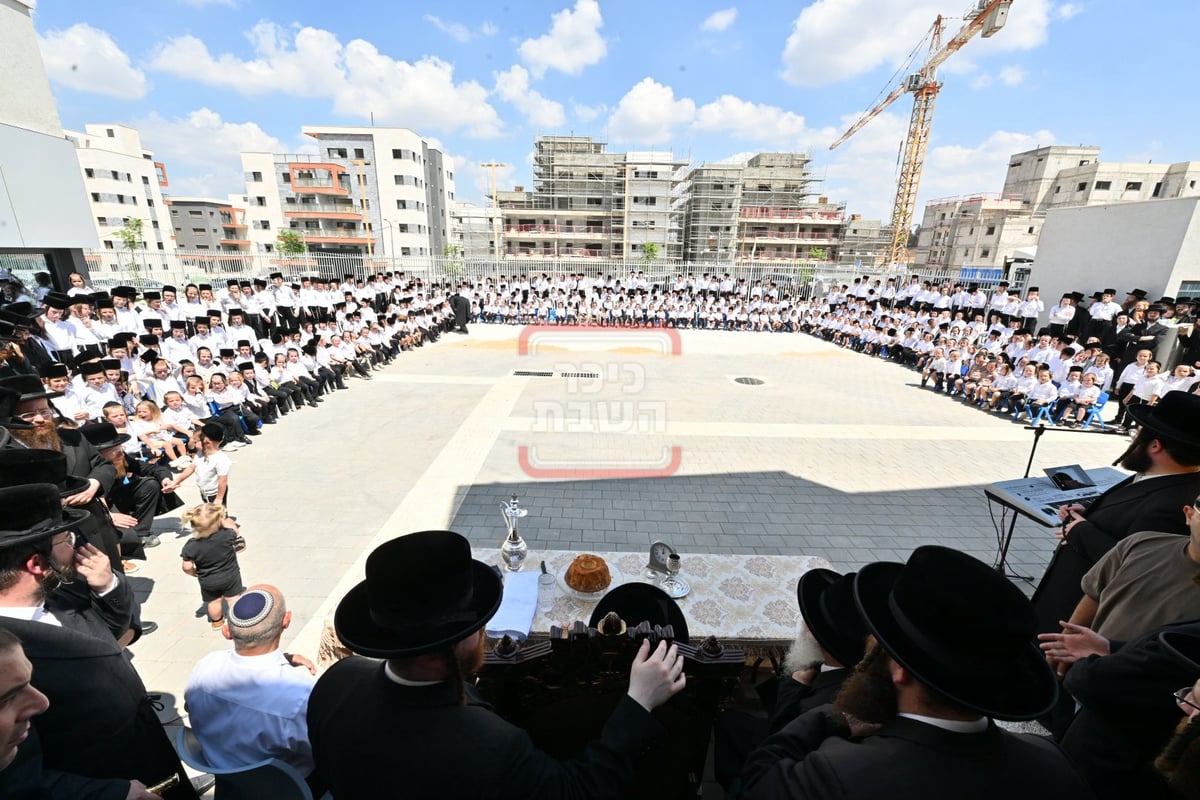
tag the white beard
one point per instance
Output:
(804, 653)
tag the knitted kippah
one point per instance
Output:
(251, 608)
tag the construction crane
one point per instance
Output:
(985, 17)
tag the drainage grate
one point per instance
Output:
(580, 375)
(524, 373)
(749, 381)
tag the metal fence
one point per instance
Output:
(108, 268)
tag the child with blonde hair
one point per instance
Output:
(211, 556)
(153, 431)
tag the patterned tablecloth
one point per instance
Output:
(747, 601)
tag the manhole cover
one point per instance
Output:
(524, 373)
(749, 381)
(579, 375)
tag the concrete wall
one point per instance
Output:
(43, 203)
(25, 97)
(1151, 245)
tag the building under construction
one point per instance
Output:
(587, 202)
(764, 210)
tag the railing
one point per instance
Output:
(758, 212)
(557, 229)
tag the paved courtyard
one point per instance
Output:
(831, 454)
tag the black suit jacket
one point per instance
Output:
(794, 698)
(25, 779)
(84, 460)
(1126, 714)
(812, 757)
(1151, 504)
(374, 738)
(99, 723)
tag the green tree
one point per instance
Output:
(649, 253)
(816, 253)
(454, 263)
(290, 244)
(131, 237)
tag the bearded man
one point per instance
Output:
(100, 723)
(1165, 457)
(950, 648)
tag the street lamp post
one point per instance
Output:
(391, 229)
(492, 166)
(362, 196)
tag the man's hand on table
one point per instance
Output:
(656, 677)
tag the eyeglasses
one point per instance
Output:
(1181, 698)
(30, 416)
(71, 538)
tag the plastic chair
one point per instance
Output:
(270, 778)
(1093, 414)
(1043, 413)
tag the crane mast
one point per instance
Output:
(985, 17)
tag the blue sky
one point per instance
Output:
(205, 79)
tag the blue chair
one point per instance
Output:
(1043, 413)
(1094, 415)
(271, 778)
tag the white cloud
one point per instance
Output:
(863, 170)
(1013, 76)
(513, 86)
(458, 31)
(649, 114)
(760, 123)
(832, 40)
(982, 80)
(203, 152)
(719, 20)
(86, 58)
(1065, 11)
(356, 77)
(587, 113)
(573, 42)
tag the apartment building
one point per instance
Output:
(122, 182)
(371, 191)
(588, 202)
(763, 210)
(205, 223)
(473, 230)
(865, 242)
(985, 230)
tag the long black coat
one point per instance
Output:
(1151, 504)
(811, 758)
(100, 723)
(1126, 714)
(25, 779)
(373, 738)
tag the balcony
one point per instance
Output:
(574, 231)
(790, 237)
(349, 216)
(830, 214)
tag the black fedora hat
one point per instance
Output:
(22, 312)
(9, 398)
(28, 387)
(20, 466)
(961, 628)
(1176, 416)
(33, 512)
(1184, 646)
(422, 592)
(103, 435)
(826, 601)
(636, 603)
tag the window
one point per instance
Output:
(401, 180)
(265, 225)
(108, 245)
(109, 133)
(1157, 189)
(1057, 189)
(128, 177)
(198, 230)
(402, 204)
(1029, 229)
(1079, 187)
(287, 176)
(1103, 186)
(336, 152)
(116, 176)
(102, 222)
(256, 177)
(358, 152)
(121, 199)
(291, 201)
(985, 252)
(595, 201)
(201, 247)
(1085, 162)
(397, 153)
(154, 224)
(595, 176)
(145, 180)
(89, 172)
(261, 201)
(991, 230)
(194, 212)
(160, 246)
(95, 197)
(1133, 186)
(1016, 164)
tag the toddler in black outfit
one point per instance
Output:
(211, 556)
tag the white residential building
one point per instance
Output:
(372, 191)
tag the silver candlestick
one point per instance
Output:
(514, 550)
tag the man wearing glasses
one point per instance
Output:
(100, 723)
